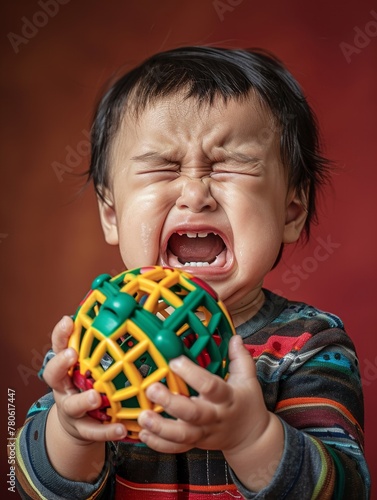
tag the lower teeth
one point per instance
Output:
(196, 264)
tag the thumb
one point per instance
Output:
(242, 365)
(61, 334)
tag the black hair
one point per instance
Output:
(208, 72)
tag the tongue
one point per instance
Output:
(196, 249)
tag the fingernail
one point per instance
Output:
(145, 421)
(143, 436)
(64, 323)
(176, 363)
(92, 397)
(238, 339)
(120, 431)
(151, 392)
(69, 353)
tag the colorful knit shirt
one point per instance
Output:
(308, 370)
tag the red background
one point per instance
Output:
(51, 244)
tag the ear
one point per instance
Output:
(295, 217)
(108, 217)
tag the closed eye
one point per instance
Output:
(245, 166)
(155, 163)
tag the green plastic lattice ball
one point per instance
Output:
(128, 328)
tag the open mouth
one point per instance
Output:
(196, 249)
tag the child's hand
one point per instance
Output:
(74, 441)
(223, 414)
(229, 416)
(71, 406)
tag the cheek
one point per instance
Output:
(258, 230)
(137, 239)
(139, 225)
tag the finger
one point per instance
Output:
(61, 334)
(242, 365)
(206, 384)
(165, 435)
(56, 371)
(91, 429)
(78, 404)
(161, 445)
(193, 410)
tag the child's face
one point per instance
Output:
(202, 188)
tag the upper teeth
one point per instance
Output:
(196, 235)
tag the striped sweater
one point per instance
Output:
(308, 370)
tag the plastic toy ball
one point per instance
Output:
(128, 328)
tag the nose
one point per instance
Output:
(196, 195)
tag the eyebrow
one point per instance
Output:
(152, 155)
(239, 157)
(228, 155)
